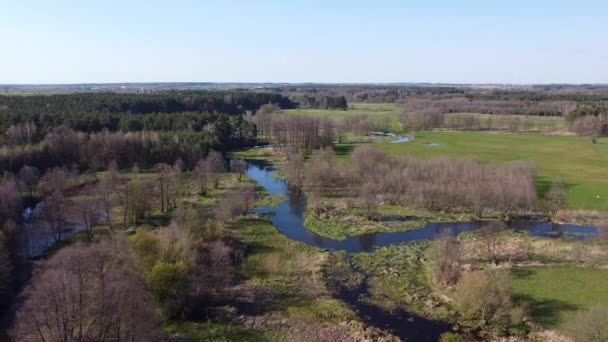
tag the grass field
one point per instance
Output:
(554, 295)
(381, 112)
(580, 164)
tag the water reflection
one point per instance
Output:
(288, 218)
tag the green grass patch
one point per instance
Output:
(201, 331)
(575, 160)
(554, 295)
(385, 114)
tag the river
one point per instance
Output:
(288, 218)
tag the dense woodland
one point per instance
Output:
(127, 161)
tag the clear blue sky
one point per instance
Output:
(516, 41)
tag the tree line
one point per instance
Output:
(94, 112)
(374, 177)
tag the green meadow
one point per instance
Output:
(554, 294)
(581, 165)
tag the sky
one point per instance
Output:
(381, 41)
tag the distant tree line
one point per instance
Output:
(299, 132)
(442, 184)
(90, 112)
(321, 101)
(63, 146)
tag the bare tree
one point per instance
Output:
(164, 171)
(484, 298)
(590, 325)
(295, 169)
(54, 208)
(445, 254)
(87, 293)
(10, 200)
(54, 180)
(555, 199)
(492, 241)
(239, 167)
(29, 176)
(106, 189)
(201, 176)
(368, 195)
(88, 213)
(215, 167)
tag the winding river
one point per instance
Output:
(288, 218)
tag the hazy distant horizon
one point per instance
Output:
(437, 41)
(279, 83)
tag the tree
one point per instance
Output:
(484, 298)
(368, 195)
(238, 166)
(87, 293)
(138, 201)
(6, 271)
(236, 202)
(10, 200)
(164, 171)
(590, 325)
(491, 240)
(201, 176)
(29, 176)
(87, 212)
(555, 199)
(295, 169)
(105, 194)
(214, 164)
(54, 180)
(445, 256)
(54, 208)
(169, 284)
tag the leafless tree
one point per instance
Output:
(492, 241)
(106, 189)
(215, 166)
(164, 171)
(295, 169)
(87, 293)
(590, 325)
(87, 212)
(54, 180)
(555, 199)
(368, 195)
(201, 176)
(446, 255)
(239, 167)
(10, 200)
(29, 176)
(484, 298)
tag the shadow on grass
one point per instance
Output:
(543, 184)
(343, 150)
(546, 312)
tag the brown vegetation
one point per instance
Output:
(87, 293)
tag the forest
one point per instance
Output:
(292, 213)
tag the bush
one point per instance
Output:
(591, 325)
(451, 337)
(483, 299)
(169, 284)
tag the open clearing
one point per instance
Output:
(554, 295)
(575, 160)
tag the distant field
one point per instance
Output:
(381, 112)
(376, 111)
(583, 166)
(554, 295)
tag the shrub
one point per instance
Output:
(591, 325)
(483, 299)
(169, 284)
